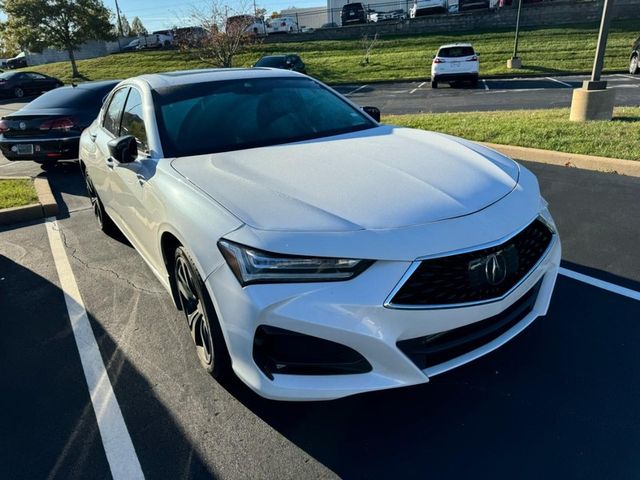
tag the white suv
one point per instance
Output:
(453, 63)
(282, 25)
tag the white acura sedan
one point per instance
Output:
(315, 252)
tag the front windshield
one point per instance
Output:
(197, 119)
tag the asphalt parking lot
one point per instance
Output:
(561, 397)
(490, 94)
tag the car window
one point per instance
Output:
(222, 116)
(35, 76)
(455, 52)
(133, 120)
(111, 121)
(85, 98)
(273, 62)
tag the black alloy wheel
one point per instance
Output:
(104, 221)
(201, 317)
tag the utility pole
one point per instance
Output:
(594, 101)
(602, 41)
(514, 61)
(119, 26)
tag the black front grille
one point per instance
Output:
(476, 276)
(438, 348)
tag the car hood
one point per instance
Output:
(377, 179)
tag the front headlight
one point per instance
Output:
(251, 265)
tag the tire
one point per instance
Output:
(48, 165)
(434, 84)
(474, 82)
(18, 92)
(634, 65)
(201, 317)
(104, 220)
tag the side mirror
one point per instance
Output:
(123, 149)
(373, 112)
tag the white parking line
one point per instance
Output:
(356, 90)
(121, 455)
(484, 82)
(628, 76)
(419, 86)
(611, 287)
(560, 82)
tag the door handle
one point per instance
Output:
(110, 162)
(93, 136)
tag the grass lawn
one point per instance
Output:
(547, 129)
(544, 51)
(17, 192)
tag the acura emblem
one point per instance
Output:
(23, 126)
(495, 268)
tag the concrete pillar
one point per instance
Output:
(514, 62)
(592, 102)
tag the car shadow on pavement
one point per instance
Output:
(67, 186)
(560, 397)
(49, 427)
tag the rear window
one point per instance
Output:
(272, 62)
(454, 52)
(69, 97)
(353, 6)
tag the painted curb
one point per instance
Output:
(45, 207)
(586, 162)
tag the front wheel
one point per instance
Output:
(18, 92)
(434, 84)
(104, 220)
(201, 317)
(633, 65)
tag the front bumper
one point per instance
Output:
(44, 149)
(353, 314)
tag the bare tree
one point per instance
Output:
(223, 33)
(367, 47)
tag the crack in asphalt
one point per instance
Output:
(87, 265)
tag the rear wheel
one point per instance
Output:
(633, 65)
(201, 317)
(18, 92)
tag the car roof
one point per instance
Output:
(94, 85)
(280, 55)
(450, 45)
(187, 77)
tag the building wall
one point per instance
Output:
(312, 17)
(533, 15)
(91, 49)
